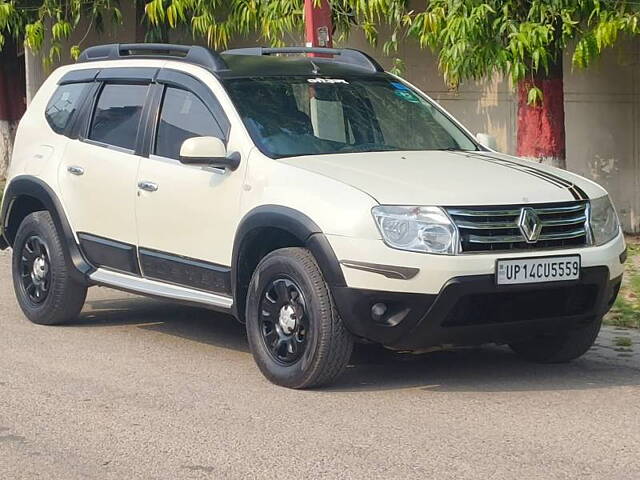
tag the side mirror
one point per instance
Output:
(487, 140)
(208, 151)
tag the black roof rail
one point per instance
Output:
(345, 55)
(192, 54)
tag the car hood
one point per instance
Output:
(449, 178)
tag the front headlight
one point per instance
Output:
(417, 229)
(604, 220)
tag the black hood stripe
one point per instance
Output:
(524, 169)
(581, 192)
(560, 182)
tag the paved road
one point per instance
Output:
(143, 389)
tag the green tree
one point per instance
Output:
(218, 21)
(525, 40)
(35, 21)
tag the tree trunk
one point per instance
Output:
(318, 24)
(12, 100)
(541, 132)
(6, 136)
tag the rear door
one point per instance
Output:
(98, 175)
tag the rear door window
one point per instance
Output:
(117, 115)
(183, 115)
(63, 105)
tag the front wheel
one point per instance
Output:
(295, 333)
(559, 348)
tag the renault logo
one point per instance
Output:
(530, 225)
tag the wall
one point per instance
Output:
(603, 125)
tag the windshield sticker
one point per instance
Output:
(327, 80)
(399, 86)
(407, 95)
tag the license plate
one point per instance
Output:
(536, 270)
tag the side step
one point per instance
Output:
(154, 288)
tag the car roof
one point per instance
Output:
(244, 62)
(269, 65)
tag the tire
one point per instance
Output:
(41, 278)
(295, 333)
(560, 348)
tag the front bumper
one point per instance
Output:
(455, 300)
(473, 310)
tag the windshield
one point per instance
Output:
(290, 116)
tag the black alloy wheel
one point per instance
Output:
(283, 320)
(35, 269)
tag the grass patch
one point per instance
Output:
(626, 309)
(623, 342)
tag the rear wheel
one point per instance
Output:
(41, 278)
(296, 335)
(559, 348)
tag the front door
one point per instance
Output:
(186, 214)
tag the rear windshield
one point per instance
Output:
(291, 116)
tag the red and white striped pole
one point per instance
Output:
(318, 26)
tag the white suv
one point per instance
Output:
(315, 197)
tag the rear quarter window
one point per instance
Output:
(63, 105)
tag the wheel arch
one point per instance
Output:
(26, 194)
(268, 228)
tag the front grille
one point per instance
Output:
(520, 306)
(485, 229)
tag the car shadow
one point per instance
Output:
(192, 323)
(489, 368)
(372, 368)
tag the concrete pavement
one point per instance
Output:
(139, 388)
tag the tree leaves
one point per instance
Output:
(535, 96)
(472, 38)
(75, 52)
(586, 51)
(61, 30)
(34, 35)
(52, 22)
(475, 38)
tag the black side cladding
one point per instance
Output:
(298, 225)
(104, 252)
(185, 271)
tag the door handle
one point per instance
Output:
(148, 186)
(74, 170)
